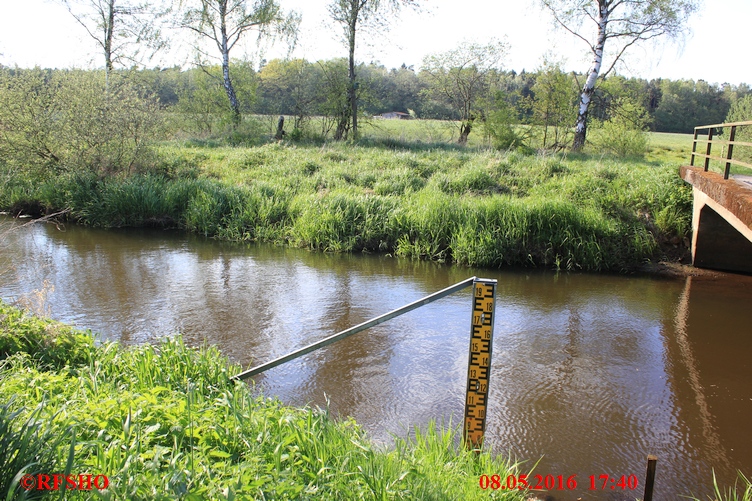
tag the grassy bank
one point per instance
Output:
(474, 207)
(166, 422)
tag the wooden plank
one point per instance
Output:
(724, 141)
(707, 150)
(722, 160)
(650, 478)
(729, 152)
(715, 126)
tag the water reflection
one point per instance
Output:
(591, 373)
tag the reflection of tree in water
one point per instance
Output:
(17, 271)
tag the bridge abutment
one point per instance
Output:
(721, 222)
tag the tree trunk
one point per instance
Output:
(343, 125)
(280, 128)
(465, 129)
(229, 89)
(351, 71)
(580, 129)
(108, 34)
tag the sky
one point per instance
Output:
(43, 33)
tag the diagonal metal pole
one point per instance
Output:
(354, 330)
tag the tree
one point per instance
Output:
(463, 79)
(554, 93)
(202, 98)
(619, 24)
(685, 104)
(352, 15)
(121, 28)
(741, 111)
(289, 87)
(224, 22)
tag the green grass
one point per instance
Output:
(167, 422)
(472, 206)
(740, 491)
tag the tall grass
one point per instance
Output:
(167, 422)
(737, 492)
(475, 207)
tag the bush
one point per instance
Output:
(498, 126)
(623, 133)
(72, 120)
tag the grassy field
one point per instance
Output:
(398, 195)
(166, 422)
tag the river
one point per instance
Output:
(590, 373)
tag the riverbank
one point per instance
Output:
(470, 207)
(166, 422)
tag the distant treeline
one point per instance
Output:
(301, 88)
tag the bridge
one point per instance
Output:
(722, 209)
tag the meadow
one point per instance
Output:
(403, 189)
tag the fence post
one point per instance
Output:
(707, 150)
(730, 150)
(650, 478)
(694, 148)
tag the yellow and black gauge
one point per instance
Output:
(479, 361)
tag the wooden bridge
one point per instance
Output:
(722, 211)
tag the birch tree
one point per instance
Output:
(610, 28)
(353, 15)
(127, 32)
(224, 22)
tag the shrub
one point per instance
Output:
(72, 120)
(623, 133)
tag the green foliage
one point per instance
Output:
(343, 221)
(462, 78)
(166, 422)
(732, 493)
(73, 120)
(51, 344)
(623, 133)
(498, 125)
(686, 104)
(30, 444)
(425, 203)
(203, 107)
(555, 105)
(741, 111)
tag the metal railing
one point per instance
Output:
(730, 142)
(354, 330)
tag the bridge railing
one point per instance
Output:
(726, 155)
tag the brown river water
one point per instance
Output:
(590, 373)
